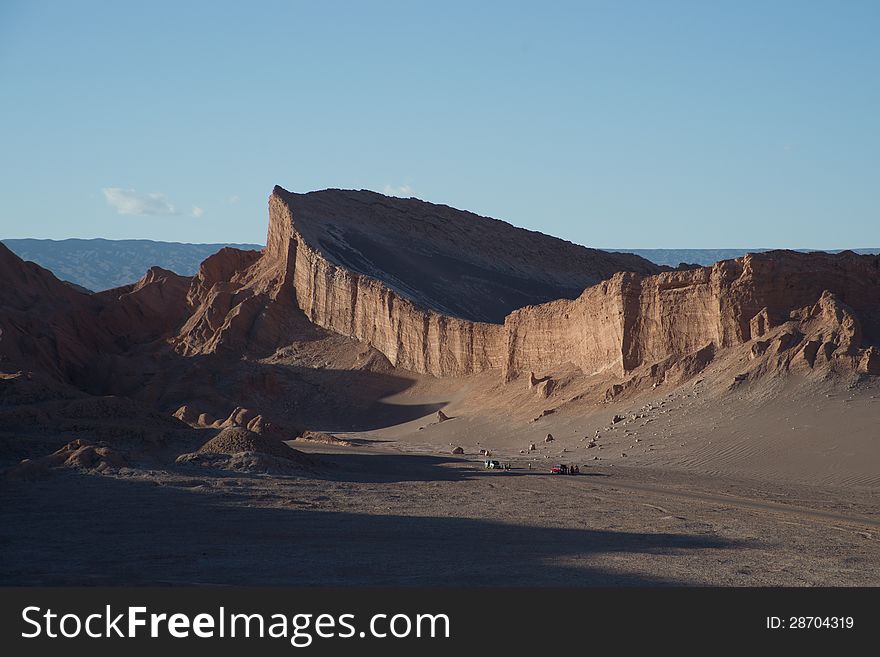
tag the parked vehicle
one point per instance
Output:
(559, 469)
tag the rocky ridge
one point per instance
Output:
(672, 320)
(789, 310)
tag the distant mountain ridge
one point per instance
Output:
(100, 264)
(706, 257)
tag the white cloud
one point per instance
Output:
(403, 190)
(129, 201)
(232, 200)
(197, 211)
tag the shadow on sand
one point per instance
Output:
(74, 529)
(322, 399)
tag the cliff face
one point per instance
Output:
(631, 321)
(43, 322)
(321, 248)
(47, 326)
(153, 307)
(407, 277)
(358, 306)
(410, 337)
(444, 260)
(219, 302)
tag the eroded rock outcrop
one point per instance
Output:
(78, 454)
(410, 280)
(452, 262)
(407, 277)
(45, 325)
(632, 321)
(242, 450)
(870, 363)
(153, 307)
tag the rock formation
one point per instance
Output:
(239, 449)
(339, 257)
(351, 281)
(631, 321)
(870, 363)
(369, 268)
(45, 325)
(77, 454)
(448, 261)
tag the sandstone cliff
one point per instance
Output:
(366, 267)
(824, 307)
(449, 261)
(406, 277)
(632, 321)
(356, 305)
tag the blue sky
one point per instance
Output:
(612, 124)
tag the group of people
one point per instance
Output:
(572, 469)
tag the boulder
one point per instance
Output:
(187, 414)
(545, 388)
(240, 417)
(760, 324)
(870, 362)
(205, 420)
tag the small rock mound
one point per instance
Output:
(240, 417)
(238, 449)
(326, 438)
(234, 440)
(187, 414)
(80, 454)
(206, 420)
(196, 419)
(544, 386)
(458, 450)
(87, 456)
(870, 363)
(253, 462)
(264, 427)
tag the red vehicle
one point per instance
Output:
(564, 469)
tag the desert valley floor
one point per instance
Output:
(768, 505)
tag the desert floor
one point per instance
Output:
(699, 485)
(376, 515)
